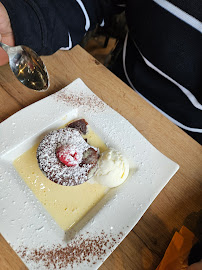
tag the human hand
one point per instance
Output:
(6, 34)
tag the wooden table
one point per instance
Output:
(178, 204)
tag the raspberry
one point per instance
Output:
(69, 155)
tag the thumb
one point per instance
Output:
(3, 55)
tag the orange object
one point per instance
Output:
(176, 255)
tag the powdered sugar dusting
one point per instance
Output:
(83, 248)
(91, 102)
(50, 164)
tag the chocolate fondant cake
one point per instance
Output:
(65, 157)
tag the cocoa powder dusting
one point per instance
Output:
(80, 249)
(88, 101)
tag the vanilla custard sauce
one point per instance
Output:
(67, 205)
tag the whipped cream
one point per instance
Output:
(113, 169)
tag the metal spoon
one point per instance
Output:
(27, 67)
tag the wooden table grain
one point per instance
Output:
(179, 203)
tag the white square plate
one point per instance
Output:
(26, 225)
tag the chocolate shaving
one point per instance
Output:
(80, 249)
(87, 102)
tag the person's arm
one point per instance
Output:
(48, 25)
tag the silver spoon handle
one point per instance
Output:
(4, 46)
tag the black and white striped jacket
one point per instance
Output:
(162, 53)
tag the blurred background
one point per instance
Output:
(105, 43)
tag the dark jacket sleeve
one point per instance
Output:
(47, 25)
